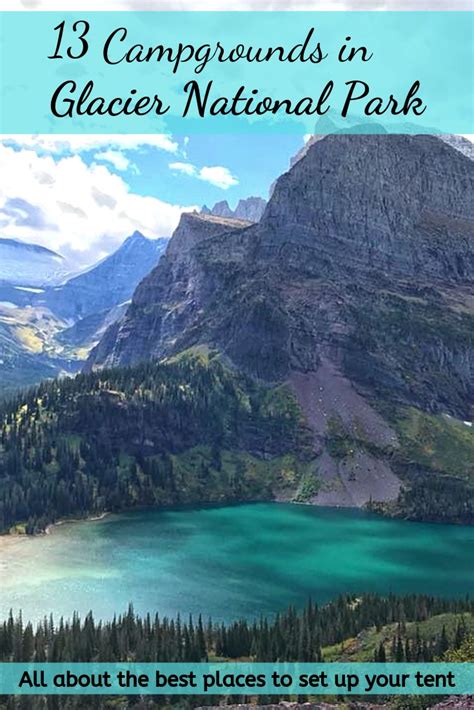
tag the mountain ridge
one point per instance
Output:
(30, 246)
(109, 282)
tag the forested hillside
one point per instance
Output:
(411, 629)
(192, 430)
(180, 432)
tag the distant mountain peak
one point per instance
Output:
(137, 239)
(137, 235)
(249, 209)
(109, 282)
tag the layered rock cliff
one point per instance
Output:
(165, 310)
(364, 255)
(356, 287)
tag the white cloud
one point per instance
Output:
(216, 175)
(80, 143)
(115, 158)
(185, 168)
(82, 211)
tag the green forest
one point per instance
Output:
(185, 431)
(188, 430)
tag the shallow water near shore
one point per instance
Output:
(229, 562)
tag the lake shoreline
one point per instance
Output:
(89, 519)
(228, 561)
(16, 536)
(96, 517)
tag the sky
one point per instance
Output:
(82, 195)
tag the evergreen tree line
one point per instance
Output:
(437, 497)
(290, 636)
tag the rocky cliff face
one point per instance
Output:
(165, 310)
(364, 255)
(397, 204)
(250, 209)
(355, 287)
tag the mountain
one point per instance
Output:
(28, 353)
(108, 283)
(49, 331)
(29, 265)
(220, 209)
(354, 290)
(173, 284)
(251, 209)
(362, 228)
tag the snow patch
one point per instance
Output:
(29, 289)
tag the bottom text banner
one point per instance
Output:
(236, 678)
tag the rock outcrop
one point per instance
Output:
(458, 702)
(251, 209)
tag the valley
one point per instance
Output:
(49, 319)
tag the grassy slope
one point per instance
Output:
(439, 443)
(362, 647)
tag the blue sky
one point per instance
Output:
(82, 195)
(255, 161)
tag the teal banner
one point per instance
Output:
(182, 72)
(236, 678)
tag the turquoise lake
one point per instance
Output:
(228, 562)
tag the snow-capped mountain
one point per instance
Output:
(29, 265)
